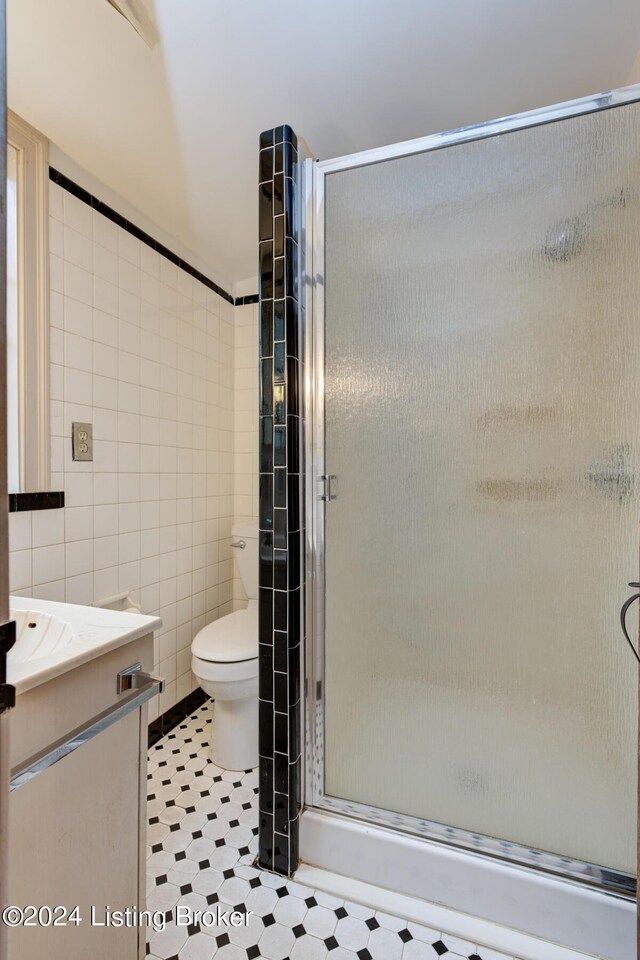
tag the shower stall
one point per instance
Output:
(472, 376)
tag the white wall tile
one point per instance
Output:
(128, 517)
(56, 201)
(78, 558)
(77, 214)
(105, 456)
(167, 699)
(78, 523)
(78, 352)
(77, 317)
(147, 356)
(105, 232)
(105, 328)
(105, 583)
(78, 283)
(105, 488)
(129, 368)
(105, 263)
(48, 563)
(56, 309)
(129, 546)
(105, 296)
(128, 389)
(129, 576)
(129, 337)
(149, 261)
(78, 249)
(105, 552)
(128, 487)
(128, 302)
(78, 489)
(105, 520)
(105, 393)
(56, 273)
(149, 540)
(56, 237)
(78, 386)
(105, 425)
(79, 589)
(47, 528)
(128, 276)
(129, 247)
(105, 360)
(56, 345)
(20, 530)
(129, 457)
(49, 591)
(20, 572)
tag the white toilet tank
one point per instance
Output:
(247, 558)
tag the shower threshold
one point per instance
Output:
(552, 912)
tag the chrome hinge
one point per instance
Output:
(7, 690)
(329, 482)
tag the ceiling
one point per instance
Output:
(174, 130)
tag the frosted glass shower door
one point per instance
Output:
(482, 418)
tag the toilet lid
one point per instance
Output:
(229, 639)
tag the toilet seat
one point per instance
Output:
(224, 661)
(231, 639)
(232, 670)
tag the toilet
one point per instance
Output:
(225, 664)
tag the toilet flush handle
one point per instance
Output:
(239, 544)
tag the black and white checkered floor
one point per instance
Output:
(202, 845)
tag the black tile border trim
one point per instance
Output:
(163, 724)
(72, 187)
(48, 500)
(281, 519)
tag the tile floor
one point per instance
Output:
(202, 845)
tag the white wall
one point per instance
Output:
(146, 354)
(246, 362)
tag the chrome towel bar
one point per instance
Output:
(31, 767)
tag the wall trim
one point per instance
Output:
(163, 724)
(62, 180)
(48, 500)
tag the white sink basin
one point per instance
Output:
(38, 635)
(53, 638)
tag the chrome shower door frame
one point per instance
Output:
(313, 209)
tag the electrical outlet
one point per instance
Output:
(82, 441)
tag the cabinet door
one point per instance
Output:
(74, 840)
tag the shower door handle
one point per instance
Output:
(330, 492)
(623, 618)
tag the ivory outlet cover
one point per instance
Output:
(82, 441)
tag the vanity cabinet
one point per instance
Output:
(77, 830)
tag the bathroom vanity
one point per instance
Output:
(77, 812)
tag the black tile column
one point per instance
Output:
(280, 572)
